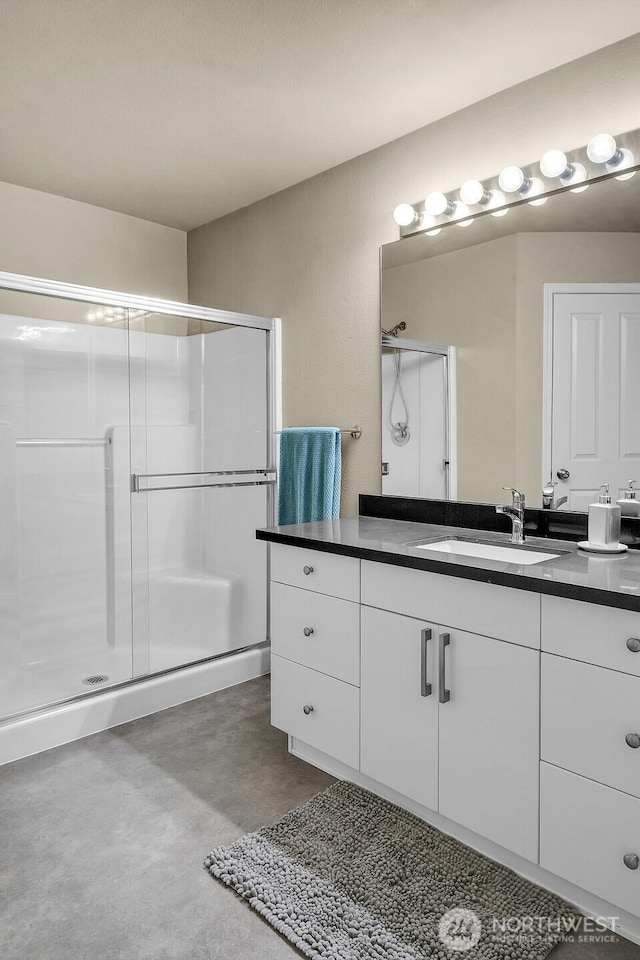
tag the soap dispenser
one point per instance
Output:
(628, 504)
(604, 521)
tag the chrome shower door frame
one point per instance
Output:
(264, 474)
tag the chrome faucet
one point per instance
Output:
(549, 501)
(516, 513)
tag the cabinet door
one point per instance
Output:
(399, 726)
(489, 740)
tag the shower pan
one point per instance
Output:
(137, 460)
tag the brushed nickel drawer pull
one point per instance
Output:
(631, 860)
(444, 695)
(308, 631)
(307, 709)
(633, 740)
(425, 686)
(307, 570)
(633, 644)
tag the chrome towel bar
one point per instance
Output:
(355, 431)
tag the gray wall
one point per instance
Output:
(46, 236)
(310, 253)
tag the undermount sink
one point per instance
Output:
(507, 553)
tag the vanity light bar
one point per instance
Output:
(603, 157)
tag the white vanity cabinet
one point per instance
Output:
(590, 748)
(450, 718)
(315, 649)
(508, 718)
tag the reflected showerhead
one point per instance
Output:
(394, 330)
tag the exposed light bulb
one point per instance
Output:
(626, 160)
(473, 192)
(436, 204)
(536, 187)
(497, 199)
(602, 148)
(462, 210)
(91, 316)
(404, 215)
(554, 164)
(429, 225)
(579, 175)
(511, 179)
(459, 210)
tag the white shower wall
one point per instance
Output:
(416, 466)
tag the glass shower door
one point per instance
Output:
(200, 484)
(65, 584)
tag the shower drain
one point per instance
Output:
(97, 678)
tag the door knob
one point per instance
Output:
(308, 631)
(307, 709)
(307, 571)
(563, 474)
(633, 644)
(633, 740)
(631, 860)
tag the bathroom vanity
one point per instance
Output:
(498, 701)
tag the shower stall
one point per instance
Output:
(418, 417)
(136, 461)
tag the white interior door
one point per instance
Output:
(595, 421)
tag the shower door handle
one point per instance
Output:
(259, 477)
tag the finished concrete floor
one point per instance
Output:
(102, 840)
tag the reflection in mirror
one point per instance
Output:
(545, 385)
(418, 418)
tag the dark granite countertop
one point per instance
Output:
(612, 580)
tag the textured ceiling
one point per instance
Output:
(180, 111)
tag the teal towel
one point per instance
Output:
(310, 470)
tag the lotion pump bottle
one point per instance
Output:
(628, 504)
(604, 520)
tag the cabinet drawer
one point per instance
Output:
(333, 646)
(485, 608)
(589, 632)
(326, 572)
(585, 832)
(586, 714)
(332, 725)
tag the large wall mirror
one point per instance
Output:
(514, 355)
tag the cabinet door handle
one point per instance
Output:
(307, 570)
(633, 644)
(425, 686)
(633, 740)
(308, 631)
(444, 695)
(631, 860)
